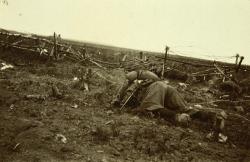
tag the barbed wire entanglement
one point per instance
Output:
(55, 48)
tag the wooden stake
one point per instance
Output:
(55, 46)
(164, 63)
(236, 60)
(238, 67)
(141, 55)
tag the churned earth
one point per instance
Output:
(82, 125)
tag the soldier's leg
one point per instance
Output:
(175, 101)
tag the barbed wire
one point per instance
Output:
(192, 52)
(216, 57)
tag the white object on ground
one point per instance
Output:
(210, 135)
(75, 79)
(198, 106)
(74, 106)
(6, 66)
(62, 138)
(222, 138)
(183, 85)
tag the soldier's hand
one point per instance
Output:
(183, 118)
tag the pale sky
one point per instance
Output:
(213, 29)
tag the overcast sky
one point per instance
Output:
(214, 29)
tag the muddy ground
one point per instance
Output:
(83, 126)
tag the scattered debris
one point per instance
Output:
(221, 71)
(75, 79)
(224, 97)
(109, 112)
(222, 138)
(223, 114)
(75, 106)
(62, 138)
(247, 97)
(86, 86)
(183, 85)
(16, 146)
(210, 135)
(6, 66)
(157, 145)
(183, 118)
(12, 106)
(100, 151)
(36, 97)
(109, 122)
(198, 106)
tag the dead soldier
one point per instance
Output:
(151, 94)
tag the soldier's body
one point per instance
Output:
(160, 98)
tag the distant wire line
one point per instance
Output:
(217, 57)
(205, 53)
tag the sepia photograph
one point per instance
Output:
(124, 80)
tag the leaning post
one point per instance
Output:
(236, 61)
(164, 63)
(141, 55)
(241, 59)
(55, 46)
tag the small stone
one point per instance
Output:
(62, 138)
(222, 138)
(210, 135)
(12, 106)
(75, 106)
(198, 106)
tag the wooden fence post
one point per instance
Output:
(241, 59)
(236, 60)
(141, 55)
(55, 46)
(164, 63)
